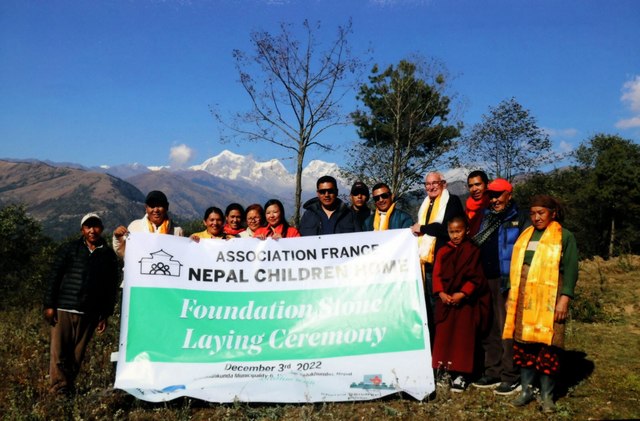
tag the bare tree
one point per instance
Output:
(295, 88)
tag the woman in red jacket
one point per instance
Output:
(277, 226)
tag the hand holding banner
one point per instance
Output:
(329, 318)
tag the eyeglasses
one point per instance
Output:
(322, 192)
(494, 194)
(434, 183)
(383, 196)
(253, 218)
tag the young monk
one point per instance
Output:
(462, 309)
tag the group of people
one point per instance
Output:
(498, 281)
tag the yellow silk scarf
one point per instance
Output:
(539, 300)
(376, 219)
(427, 239)
(207, 234)
(162, 228)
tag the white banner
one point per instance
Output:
(328, 318)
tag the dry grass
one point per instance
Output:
(602, 372)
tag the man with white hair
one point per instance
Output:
(436, 210)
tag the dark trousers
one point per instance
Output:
(431, 301)
(69, 339)
(498, 353)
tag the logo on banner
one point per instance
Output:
(160, 263)
(372, 381)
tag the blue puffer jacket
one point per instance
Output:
(497, 250)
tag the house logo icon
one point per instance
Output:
(160, 263)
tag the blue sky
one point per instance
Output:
(122, 81)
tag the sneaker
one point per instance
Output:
(507, 388)
(486, 382)
(459, 384)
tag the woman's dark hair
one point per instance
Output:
(549, 202)
(256, 207)
(285, 224)
(211, 210)
(234, 206)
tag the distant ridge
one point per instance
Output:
(58, 194)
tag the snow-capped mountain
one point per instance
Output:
(270, 175)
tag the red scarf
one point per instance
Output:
(474, 210)
(230, 231)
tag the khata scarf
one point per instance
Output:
(163, 228)
(385, 224)
(474, 210)
(207, 234)
(539, 300)
(427, 243)
(230, 231)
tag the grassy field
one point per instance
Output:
(601, 375)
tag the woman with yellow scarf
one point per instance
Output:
(544, 271)
(214, 224)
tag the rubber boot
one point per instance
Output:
(527, 377)
(547, 385)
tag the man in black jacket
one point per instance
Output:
(327, 214)
(79, 297)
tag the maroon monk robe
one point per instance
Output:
(458, 269)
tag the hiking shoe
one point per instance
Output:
(507, 388)
(486, 382)
(444, 380)
(459, 384)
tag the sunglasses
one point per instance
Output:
(383, 196)
(494, 194)
(322, 192)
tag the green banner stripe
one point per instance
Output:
(178, 325)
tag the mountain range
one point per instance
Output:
(58, 194)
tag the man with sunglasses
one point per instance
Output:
(326, 213)
(500, 227)
(386, 216)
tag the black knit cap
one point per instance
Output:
(360, 188)
(156, 198)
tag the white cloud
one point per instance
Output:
(180, 155)
(565, 147)
(628, 123)
(571, 132)
(631, 97)
(631, 93)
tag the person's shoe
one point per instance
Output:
(527, 380)
(444, 380)
(486, 382)
(524, 398)
(459, 384)
(547, 385)
(507, 388)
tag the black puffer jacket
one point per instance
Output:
(311, 222)
(83, 281)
